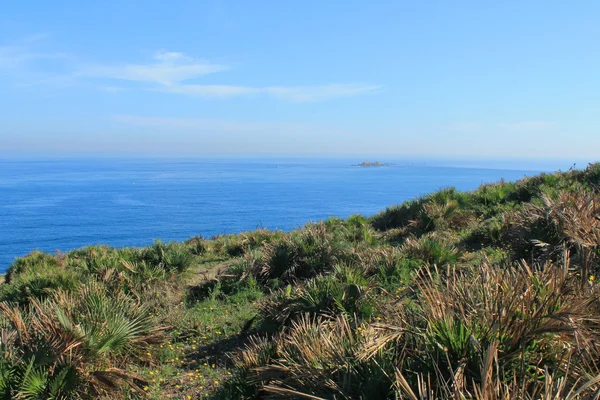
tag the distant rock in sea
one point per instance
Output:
(372, 164)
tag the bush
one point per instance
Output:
(243, 243)
(171, 257)
(302, 255)
(492, 195)
(346, 291)
(432, 249)
(196, 245)
(483, 330)
(314, 358)
(34, 263)
(37, 276)
(71, 345)
(26, 288)
(400, 216)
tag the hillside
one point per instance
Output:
(489, 294)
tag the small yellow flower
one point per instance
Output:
(592, 278)
(146, 388)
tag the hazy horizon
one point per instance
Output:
(506, 163)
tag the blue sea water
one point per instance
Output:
(65, 204)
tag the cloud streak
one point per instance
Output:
(526, 126)
(318, 93)
(169, 68)
(505, 127)
(210, 125)
(170, 72)
(299, 94)
(167, 72)
(22, 52)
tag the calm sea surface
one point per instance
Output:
(62, 205)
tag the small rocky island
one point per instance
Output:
(372, 164)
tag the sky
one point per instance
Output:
(387, 78)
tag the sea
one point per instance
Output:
(62, 204)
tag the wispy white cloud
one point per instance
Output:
(205, 124)
(297, 94)
(464, 127)
(500, 127)
(22, 52)
(168, 68)
(170, 71)
(111, 89)
(209, 91)
(317, 93)
(167, 71)
(526, 126)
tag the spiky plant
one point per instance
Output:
(73, 343)
(570, 218)
(346, 291)
(432, 249)
(302, 255)
(315, 358)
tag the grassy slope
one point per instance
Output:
(488, 294)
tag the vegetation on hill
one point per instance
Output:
(487, 295)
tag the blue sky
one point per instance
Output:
(390, 78)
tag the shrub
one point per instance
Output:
(356, 229)
(492, 195)
(37, 276)
(477, 333)
(25, 288)
(171, 257)
(399, 216)
(72, 345)
(346, 291)
(567, 219)
(243, 243)
(314, 358)
(196, 245)
(590, 177)
(34, 263)
(431, 249)
(302, 255)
